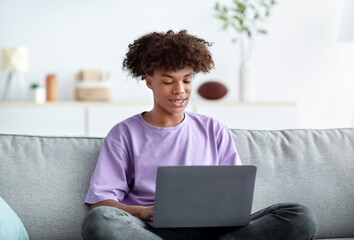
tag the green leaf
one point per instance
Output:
(223, 18)
(234, 26)
(34, 85)
(242, 8)
(226, 25)
(238, 19)
(225, 9)
(234, 40)
(249, 34)
(262, 31)
(236, 2)
(256, 16)
(217, 6)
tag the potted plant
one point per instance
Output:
(37, 93)
(246, 19)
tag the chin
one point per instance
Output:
(177, 111)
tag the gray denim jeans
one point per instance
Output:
(281, 221)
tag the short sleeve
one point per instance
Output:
(112, 176)
(227, 151)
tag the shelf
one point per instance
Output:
(86, 118)
(119, 104)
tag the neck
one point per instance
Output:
(158, 119)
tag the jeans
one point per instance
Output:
(281, 221)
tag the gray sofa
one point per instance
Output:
(45, 179)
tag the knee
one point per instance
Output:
(97, 222)
(308, 217)
(303, 220)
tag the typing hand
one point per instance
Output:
(147, 213)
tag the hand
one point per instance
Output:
(147, 213)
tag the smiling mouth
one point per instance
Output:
(178, 101)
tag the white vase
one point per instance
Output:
(37, 95)
(247, 82)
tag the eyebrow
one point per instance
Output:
(169, 76)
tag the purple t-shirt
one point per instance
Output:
(134, 149)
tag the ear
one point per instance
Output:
(148, 81)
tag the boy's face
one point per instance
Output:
(171, 89)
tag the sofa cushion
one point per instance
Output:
(315, 167)
(11, 226)
(46, 182)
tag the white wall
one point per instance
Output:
(299, 60)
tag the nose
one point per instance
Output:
(178, 88)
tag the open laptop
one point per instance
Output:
(203, 196)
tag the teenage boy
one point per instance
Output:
(121, 192)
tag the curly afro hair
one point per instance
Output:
(169, 50)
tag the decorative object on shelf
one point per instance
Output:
(52, 88)
(247, 82)
(245, 18)
(89, 75)
(36, 93)
(90, 86)
(212, 90)
(15, 61)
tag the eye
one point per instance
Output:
(167, 83)
(188, 80)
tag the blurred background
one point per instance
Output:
(305, 58)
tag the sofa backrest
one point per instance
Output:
(315, 167)
(45, 179)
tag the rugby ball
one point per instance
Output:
(212, 90)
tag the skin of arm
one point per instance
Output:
(142, 212)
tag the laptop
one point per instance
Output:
(203, 196)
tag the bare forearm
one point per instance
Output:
(141, 212)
